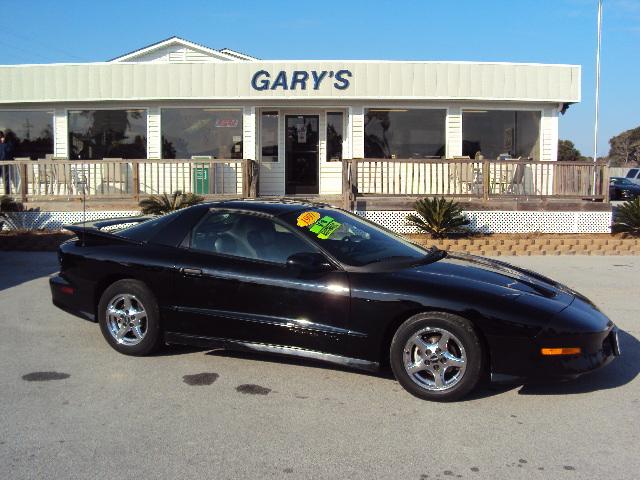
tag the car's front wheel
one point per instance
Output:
(129, 318)
(437, 356)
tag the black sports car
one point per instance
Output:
(621, 188)
(306, 279)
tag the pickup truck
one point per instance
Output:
(634, 175)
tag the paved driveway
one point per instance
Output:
(196, 414)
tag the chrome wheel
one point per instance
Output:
(435, 359)
(126, 319)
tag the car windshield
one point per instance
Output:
(353, 240)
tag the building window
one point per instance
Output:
(501, 133)
(269, 137)
(30, 133)
(97, 134)
(335, 129)
(201, 132)
(401, 133)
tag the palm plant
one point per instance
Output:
(438, 217)
(12, 215)
(161, 204)
(627, 218)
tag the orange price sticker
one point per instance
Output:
(307, 218)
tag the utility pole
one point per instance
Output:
(595, 124)
(595, 129)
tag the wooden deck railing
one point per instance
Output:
(468, 178)
(65, 179)
(121, 179)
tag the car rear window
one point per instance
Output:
(168, 229)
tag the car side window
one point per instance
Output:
(246, 236)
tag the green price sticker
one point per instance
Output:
(325, 227)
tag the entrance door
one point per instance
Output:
(302, 154)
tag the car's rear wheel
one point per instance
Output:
(129, 318)
(437, 356)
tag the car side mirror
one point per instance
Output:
(309, 262)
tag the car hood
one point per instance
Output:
(472, 269)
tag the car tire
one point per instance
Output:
(437, 356)
(129, 318)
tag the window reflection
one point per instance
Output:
(206, 132)
(401, 133)
(30, 133)
(335, 127)
(97, 134)
(269, 136)
(506, 133)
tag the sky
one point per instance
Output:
(546, 31)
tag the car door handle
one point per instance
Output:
(192, 272)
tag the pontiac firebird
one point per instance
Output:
(310, 280)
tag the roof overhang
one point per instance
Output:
(348, 80)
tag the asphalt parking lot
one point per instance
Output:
(197, 414)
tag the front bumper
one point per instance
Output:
(580, 325)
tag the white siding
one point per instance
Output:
(549, 133)
(154, 134)
(371, 81)
(249, 133)
(174, 54)
(454, 132)
(330, 172)
(61, 133)
(357, 131)
(271, 179)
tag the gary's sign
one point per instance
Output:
(300, 79)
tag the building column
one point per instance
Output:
(249, 133)
(357, 131)
(154, 134)
(453, 132)
(60, 133)
(549, 134)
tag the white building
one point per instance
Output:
(297, 119)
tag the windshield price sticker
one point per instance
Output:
(325, 227)
(308, 218)
(322, 227)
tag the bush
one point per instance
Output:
(11, 216)
(161, 204)
(627, 218)
(438, 217)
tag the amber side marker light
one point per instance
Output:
(561, 351)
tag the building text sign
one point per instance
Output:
(300, 79)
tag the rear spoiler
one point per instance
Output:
(90, 232)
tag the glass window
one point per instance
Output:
(269, 136)
(335, 128)
(30, 133)
(247, 236)
(495, 133)
(401, 133)
(201, 132)
(97, 134)
(352, 240)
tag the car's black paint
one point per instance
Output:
(337, 313)
(621, 188)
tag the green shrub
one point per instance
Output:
(627, 218)
(438, 217)
(12, 216)
(161, 204)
